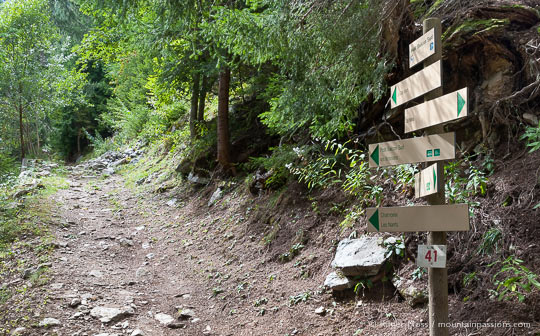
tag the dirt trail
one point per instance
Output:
(132, 251)
(127, 251)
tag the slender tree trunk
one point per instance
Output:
(223, 145)
(38, 140)
(21, 131)
(202, 98)
(79, 142)
(194, 104)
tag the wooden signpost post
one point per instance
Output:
(436, 218)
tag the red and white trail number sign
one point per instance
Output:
(431, 256)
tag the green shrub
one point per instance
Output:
(513, 280)
(281, 158)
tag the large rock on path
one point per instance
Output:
(108, 315)
(360, 257)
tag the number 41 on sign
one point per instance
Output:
(431, 256)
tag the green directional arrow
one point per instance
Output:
(374, 219)
(375, 155)
(394, 96)
(460, 103)
(434, 178)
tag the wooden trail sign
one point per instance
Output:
(437, 111)
(453, 217)
(423, 149)
(422, 48)
(427, 181)
(416, 85)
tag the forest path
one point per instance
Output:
(127, 249)
(120, 254)
(148, 255)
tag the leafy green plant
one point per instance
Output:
(490, 241)
(403, 175)
(532, 135)
(293, 251)
(277, 162)
(513, 280)
(351, 217)
(362, 285)
(395, 247)
(302, 297)
(418, 273)
(463, 181)
(469, 278)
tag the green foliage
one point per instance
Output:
(395, 247)
(293, 251)
(532, 135)
(513, 280)
(463, 181)
(296, 299)
(7, 164)
(402, 176)
(281, 157)
(362, 285)
(469, 278)
(418, 273)
(490, 241)
(325, 73)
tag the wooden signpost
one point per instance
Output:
(452, 217)
(424, 149)
(436, 218)
(437, 111)
(418, 84)
(427, 181)
(422, 48)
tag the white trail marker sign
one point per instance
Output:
(437, 111)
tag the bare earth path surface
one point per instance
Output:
(129, 261)
(149, 260)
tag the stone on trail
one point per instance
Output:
(337, 282)
(108, 314)
(164, 318)
(137, 332)
(414, 295)
(96, 273)
(172, 202)
(19, 331)
(216, 196)
(49, 322)
(360, 257)
(320, 311)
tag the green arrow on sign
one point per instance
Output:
(460, 103)
(374, 219)
(375, 155)
(394, 96)
(434, 178)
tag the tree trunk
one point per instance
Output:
(194, 104)
(79, 142)
(202, 98)
(223, 146)
(21, 130)
(38, 140)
